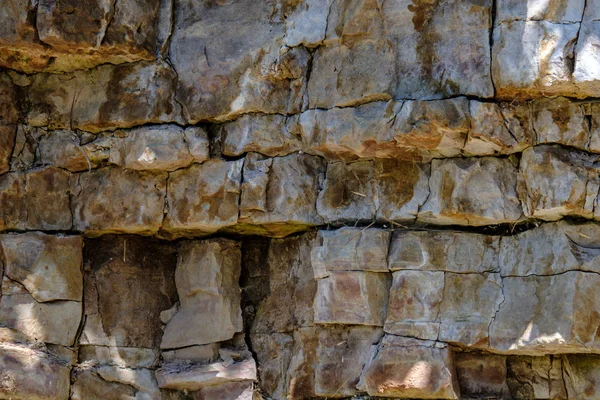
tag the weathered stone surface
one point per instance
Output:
(25, 148)
(535, 378)
(563, 11)
(468, 308)
(227, 391)
(59, 36)
(31, 374)
(128, 357)
(64, 149)
(581, 376)
(551, 249)
(281, 284)
(264, 134)
(197, 354)
(89, 386)
(273, 354)
(386, 190)
(163, 147)
(341, 356)
(38, 199)
(414, 304)
(481, 376)
(196, 377)
(586, 74)
(203, 198)
(554, 182)
(9, 111)
(107, 97)
(142, 380)
(547, 314)
(307, 25)
(52, 322)
(7, 143)
(561, 121)
(476, 191)
(135, 206)
(280, 193)
(128, 281)
(351, 297)
(244, 68)
(449, 251)
(49, 267)
(410, 368)
(207, 278)
(350, 249)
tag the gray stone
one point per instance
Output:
(196, 377)
(64, 149)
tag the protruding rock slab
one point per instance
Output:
(32, 374)
(196, 377)
(548, 314)
(472, 191)
(49, 267)
(410, 368)
(207, 278)
(104, 98)
(203, 198)
(136, 201)
(279, 194)
(128, 281)
(555, 182)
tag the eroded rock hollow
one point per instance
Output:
(299, 199)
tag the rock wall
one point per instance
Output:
(299, 199)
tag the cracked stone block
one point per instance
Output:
(281, 284)
(242, 64)
(449, 251)
(414, 304)
(64, 149)
(472, 191)
(104, 98)
(162, 147)
(306, 25)
(562, 121)
(498, 129)
(9, 105)
(535, 378)
(36, 200)
(227, 391)
(203, 198)
(101, 381)
(28, 373)
(273, 353)
(279, 194)
(88, 385)
(48, 267)
(206, 277)
(481, 376)
(410, 368)
(128, 281)
(581, 374)
(25, 148)
(547, 314)
(265, 134)
(551, 249)
(7, 143)
(586, 75)
(351, 297)
(60, 36)
(555, 182)
(341, 356)
(559, 11)
(470, 303)
(350, 249)
(534, 59)
(594, 119)
(127, 357)
(135, 206)
(198, 377)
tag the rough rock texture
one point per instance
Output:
(299, 199)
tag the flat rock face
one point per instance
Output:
(554, 182)
(32, 374)
(136, 206)
(472, 191)
(557, 318)
(106, 97)
(120, 272)
(482, 375)
(403, 367)
(207, 278)
(203, 197)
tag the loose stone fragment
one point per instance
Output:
(49, 267)
(555, 182)
(472, 191)
(207, 278)
(26, 373)
(203, 198)
(128, 281)
(547, 314)
(135, 206)
(410, 368)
